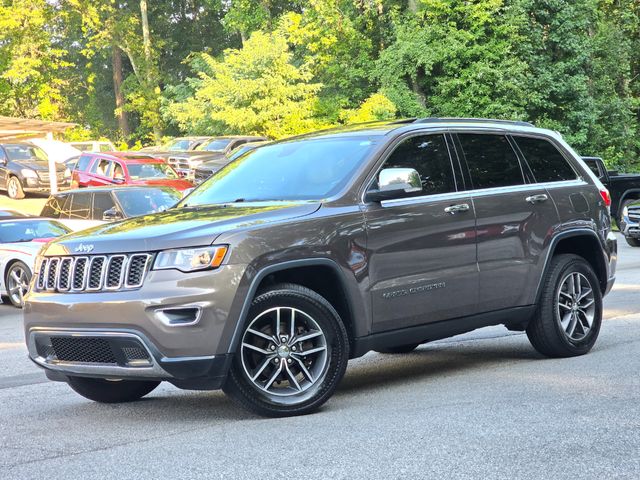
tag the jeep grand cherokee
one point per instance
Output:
(307, 252)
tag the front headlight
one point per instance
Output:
(191, 259)
(28, 173)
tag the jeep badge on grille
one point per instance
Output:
(84, 248)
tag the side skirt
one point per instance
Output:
(513, 318)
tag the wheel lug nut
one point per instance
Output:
(289, 360)
(273, 347)
(283, 339)
(276, 360)
(293, 348)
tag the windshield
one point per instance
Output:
(149, 200)
(310, 169)
(26, 231)
(215, 145)
(25, 152)
(179, 145)
(138, 171)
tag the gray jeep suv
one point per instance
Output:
(310, 251)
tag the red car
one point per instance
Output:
(122, 168)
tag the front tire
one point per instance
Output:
(292, 354)
(569, 314)
(17, 280)
(108, 391)
(14, 188)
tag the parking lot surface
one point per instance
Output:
(480, 405)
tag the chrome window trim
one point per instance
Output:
(482, 192)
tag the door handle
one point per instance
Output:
(537, 198)
(461, 207)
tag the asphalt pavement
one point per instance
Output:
(483, 405)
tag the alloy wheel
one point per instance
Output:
(12, 188)
(284, 352)
(17, 284)
(575, 306)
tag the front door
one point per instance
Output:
(513, 218)
(422, 250)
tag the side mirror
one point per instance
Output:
(396, 183)
(111, 215)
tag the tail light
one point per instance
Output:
(606, 197)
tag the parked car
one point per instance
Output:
(216, 149)
(265, 281)
(624, 188)
(88, 207)
(629, 223)
(11, 214)
(25, 168)
(180, 144)
(56, 150)
(209, 167)
(96, 146)
(20, 241)
(120, 168)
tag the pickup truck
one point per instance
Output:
(623, 188)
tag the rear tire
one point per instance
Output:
(17, 280)
(569, 314)
(107, 391)
(633, 242)
(14, 188)
(293, 352)
(401, 349)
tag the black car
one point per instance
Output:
(216, 149)
(210, 167)
(623, 187)
(108, 204)
(25, 168)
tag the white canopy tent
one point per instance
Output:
(12, 128)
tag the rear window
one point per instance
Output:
(491, 160)
(546, 162)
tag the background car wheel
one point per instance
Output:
(108, 391)
(292, 354)
(633, 242)
(17, 280)
(567, 320)
(14, 188)
(401, 349)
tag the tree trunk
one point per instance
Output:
(121, 114)
(146, 42)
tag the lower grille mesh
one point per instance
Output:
(82, 350)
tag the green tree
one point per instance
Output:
(253, 90)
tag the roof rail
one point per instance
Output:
(471, 120)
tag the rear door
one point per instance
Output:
(101, 172)
(422, 254)
(513, 217)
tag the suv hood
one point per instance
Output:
(177, 228)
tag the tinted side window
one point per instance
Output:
(491, 160)
(546, 162)
(429, 156)
(101, 203)
(53, 207)
(595, 167)
(102, 167)
(83, 163)
(80, 206)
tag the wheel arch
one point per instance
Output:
(631, 194)
(584, 243)
(302, 272)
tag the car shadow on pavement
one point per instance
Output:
(430, 362)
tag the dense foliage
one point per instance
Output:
(139, 70)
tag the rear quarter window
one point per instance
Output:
(545, 160)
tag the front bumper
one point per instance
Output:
(190, 354)
(35, 185)
(129, 356)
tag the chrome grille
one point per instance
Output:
(201, 175)
(180, 165)
(634, 214)
(93, 273)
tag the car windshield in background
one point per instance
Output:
(24, 152)
(311, 169)
(215, 145)
(179, 145)
(149, 200)
(138, 171)
(27, 231)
